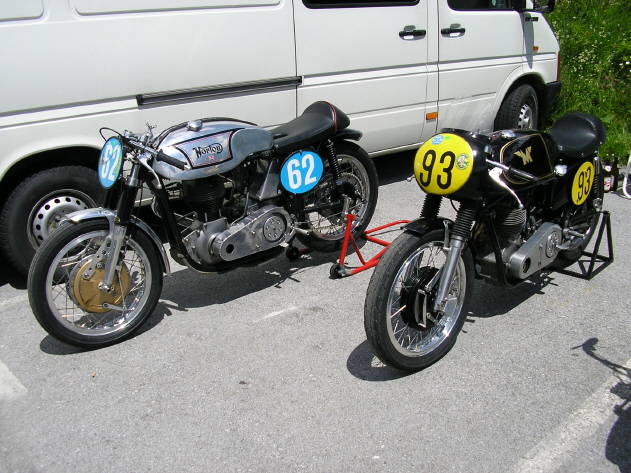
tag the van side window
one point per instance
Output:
(480, 4)
(357, 3)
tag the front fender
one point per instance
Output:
(421, 225)
(91, 214)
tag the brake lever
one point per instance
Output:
(143, 159)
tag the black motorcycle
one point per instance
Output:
(228, 194)
(527, 199)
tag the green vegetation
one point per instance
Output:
(595, 39)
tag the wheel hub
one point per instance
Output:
(417, 300)
(87, 294)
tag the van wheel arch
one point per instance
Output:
(522, 106)
(43, 188)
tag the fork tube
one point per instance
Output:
(459, 234)
(119, 229)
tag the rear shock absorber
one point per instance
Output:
(335, 166)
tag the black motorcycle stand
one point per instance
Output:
(606, 260)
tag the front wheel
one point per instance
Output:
(520, 109)
(63, 285)
(326, 226)
(401, 325)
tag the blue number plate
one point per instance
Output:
(110, 162)
(301, 172)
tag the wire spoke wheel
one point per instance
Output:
(66, 292)
(399, 317)
(326, 226)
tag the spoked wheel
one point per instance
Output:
(64, 292)
(401, 324)
(326, 227)
(582, 219)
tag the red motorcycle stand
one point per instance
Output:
(339, 269)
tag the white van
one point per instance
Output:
(401, 69)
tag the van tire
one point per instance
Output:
(520, 109)
(47, 195)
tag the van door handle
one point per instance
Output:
(413, 33)
(448, 31)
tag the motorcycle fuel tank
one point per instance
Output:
(209, 146)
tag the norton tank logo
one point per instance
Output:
(207, 150)
(215, 148)
(462, 162)
(525, 156)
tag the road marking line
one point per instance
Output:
(10, 386)
(556, 447)
(275, 314)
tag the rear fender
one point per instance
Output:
(109, 215)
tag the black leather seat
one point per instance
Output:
(319, 120)
(578, 134)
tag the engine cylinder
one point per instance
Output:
(205, 197)
(509, 222)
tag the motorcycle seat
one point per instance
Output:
(318, 121)
(578, 135)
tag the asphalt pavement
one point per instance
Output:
(268, 369)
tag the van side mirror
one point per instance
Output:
(539, 6)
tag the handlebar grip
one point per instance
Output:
(169, 160)
(522, 175)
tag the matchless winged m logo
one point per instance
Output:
(525, 155)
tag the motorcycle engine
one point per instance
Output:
(523, 251)
(509, 224)
(223, 230)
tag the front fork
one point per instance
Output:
(455, 241)
(113, 244)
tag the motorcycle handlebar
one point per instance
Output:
(522, 175)
(169, 160)
(159, 155)
(514, 172)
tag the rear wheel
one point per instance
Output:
(63, 285)
(401, 325)
(582, 219)
(360, 184)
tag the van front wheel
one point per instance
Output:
(36, 206)
(520, 109)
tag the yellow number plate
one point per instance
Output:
(583, 182)
(443, 164)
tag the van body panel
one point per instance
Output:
(80, 59)
(488, 49)
(362, 64)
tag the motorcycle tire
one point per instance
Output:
(326, 228)
(397, 311)
(589, 215)
(70, 306)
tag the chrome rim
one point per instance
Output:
(405, 300)
(330, 224)
(526, 117)
(48, 212)
(131, 287)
